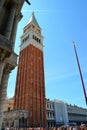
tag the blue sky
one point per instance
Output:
(62, 21)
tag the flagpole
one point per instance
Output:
(80, 72)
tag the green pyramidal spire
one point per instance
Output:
(33, 19)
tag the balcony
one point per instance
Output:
(5, 43)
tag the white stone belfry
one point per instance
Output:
(32, 34)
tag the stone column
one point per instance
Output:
(3, 94)
(1, 71)
(2, 63)
(1, 4)
(10, 22)
(14, 29)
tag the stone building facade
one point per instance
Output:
(15, 118)
(50, 113)
(60, 113)
(9, 104)
(57, 113)
(10, 15)
(76, 114)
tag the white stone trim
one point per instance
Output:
(32, 42)
(31, 33)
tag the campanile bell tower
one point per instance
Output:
(30, 85)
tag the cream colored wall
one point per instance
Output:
(9, 104)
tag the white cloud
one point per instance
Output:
(55, 76)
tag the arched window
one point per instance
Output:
(33, 36)
(39, 41)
